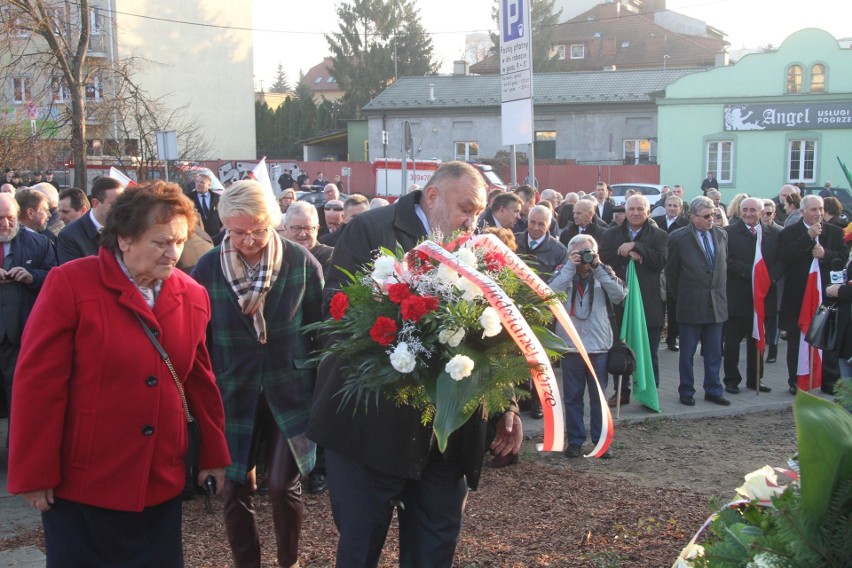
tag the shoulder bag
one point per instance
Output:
(822, 333)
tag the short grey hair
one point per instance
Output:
(541, 209)
(51, 192)
(807, 199)
(248, 197)
(645, 202)
(583, 238)
(304, 208)
(700, 203)
(676, 198)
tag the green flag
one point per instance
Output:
(634, 332)
(845, 171)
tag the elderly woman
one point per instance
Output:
(263, 289)
(99, 431)
(589, 285)
(286, 199)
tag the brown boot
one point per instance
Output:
(613, 400)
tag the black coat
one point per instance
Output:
(212, 224)
(741, 246)
(662, 223)
(794, 263)
(606, 215)
(653, 244)
(78, 239)
(387, 438)
(595, 228)
(699, 289)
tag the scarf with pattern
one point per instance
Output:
(251, 292)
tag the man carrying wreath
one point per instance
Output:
(381, 456)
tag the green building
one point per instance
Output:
(772, 118)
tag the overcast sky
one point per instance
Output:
(292, 33)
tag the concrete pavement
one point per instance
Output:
(16, 516)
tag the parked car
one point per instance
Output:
(841, 193)
(316, 198)
(652, 191)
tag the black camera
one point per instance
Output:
(587, 256)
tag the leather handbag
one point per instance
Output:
(822, 333)
(621, 359)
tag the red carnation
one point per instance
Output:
(495, 261)
(418, 262)
(339, 305)
(398, 292)
(383, 331)
(415, 307)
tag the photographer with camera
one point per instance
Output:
(588, 283)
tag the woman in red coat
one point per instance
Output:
(98, 433)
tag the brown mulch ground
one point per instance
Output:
(637, 510)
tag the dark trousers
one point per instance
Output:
(8, 359)
(671, 320)
(710, 336)
(285, 496)
(429, 513)
(82, 536)
(737, 329)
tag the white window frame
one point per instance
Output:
(800, 163)
(578, 51)
(466, 155)
(715, 152)
(558, 51)
(24, 86)
(96, 24)
(637, 149)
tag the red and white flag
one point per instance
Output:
(810, 302)
(120, 176)
(261, 174)
(759, 288)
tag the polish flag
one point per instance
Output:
(261, 174)
(810, 302)
(759, 289)
(120, 176)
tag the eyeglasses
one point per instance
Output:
(708, 216)
(333, 207)
(255, 235)
(298, 229)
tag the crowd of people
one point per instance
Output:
(161, 305)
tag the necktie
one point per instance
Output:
(707, 250)
(204, 209)
(532, 244)
(753, 231)
(581, 230)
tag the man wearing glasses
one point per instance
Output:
(352, 207)
(697, 276)
(333, 211)
(301, 225)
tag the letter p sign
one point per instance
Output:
(513, 19)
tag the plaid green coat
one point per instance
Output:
(243, 367)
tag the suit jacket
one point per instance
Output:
(741, 248)
(595, 229)
(546, 258)
(662, 223)
(78, 239)
(112, 433)
(211, 223)
(388, 438)
(699, 289)
(33, 252)
(794, 263)
(280, 368)
(608, 207)
(652, 243)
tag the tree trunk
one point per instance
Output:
(78, 138)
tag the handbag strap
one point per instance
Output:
(168, 362)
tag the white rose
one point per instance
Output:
(401, 359)
(459, 367)
(466, 255)
(490, 321)
(384, 268)
(761, 485)
(469, 290)
(451, 337)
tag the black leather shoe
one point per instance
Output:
(792, 389)
(763, 388)
(720, 400)
(536, 412)
(687, 400)
(625, 399)
(733, 389)
(607, 455)
(673, 346)
(573, 451)
(317, 483)
(772, 354)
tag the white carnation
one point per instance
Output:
(402, 359)
(384, 268)
(459, 367)
(467, 256)
(490, 321)
(446, 274)
(761, 485)
(451, 337)
(469, 290)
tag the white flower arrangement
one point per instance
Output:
(402, 359)
(459, 367)
(451, 337)
(490, 320)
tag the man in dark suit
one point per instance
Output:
(505, 212)
(536, 246)
(585, 221)
(378, 457)
(799, 244)
(527, 195)
(604, 203)
(636, 238)
(27, 257)
(708, 183)
(83, 236)
(670, 222)
(743, 237)
(697, 274)
(207, 204)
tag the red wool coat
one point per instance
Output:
(96, 414)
